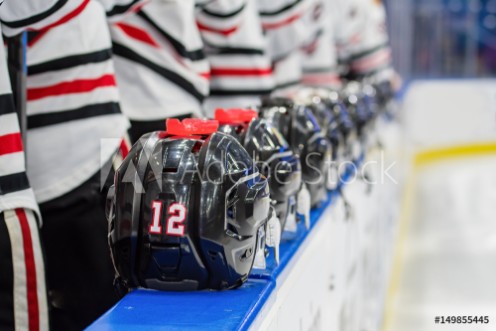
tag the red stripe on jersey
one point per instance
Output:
(321, 78)
(289, 20)
(355, 39)
(205, 75)
(241, 71)
(137, 7)
(138, 34)
(372, 61)
(67, 17)
(76, 86)
(31, 287)
(10, 143)
(225, 32)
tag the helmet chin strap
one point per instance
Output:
(273, 235)
(303, 205)
(268, 236)
(291, 225)
(260, 262)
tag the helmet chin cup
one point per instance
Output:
(291, 225)
(273, 234)
(304, 205)
(260, 261)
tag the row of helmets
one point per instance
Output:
(196, 206)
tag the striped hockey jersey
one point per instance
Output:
(15, 191)
(283, 23)
(23, 299)
(160, 65)
(362, 39)
(241, 69)
(318, 53)
(72, 98)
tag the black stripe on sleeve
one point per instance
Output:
(6, 104)
(287, 84)
(234, 93)
(280, 10)
(171, 76)
(35, 18)
(7, 280)
(224, 15)
(70, 62)
(117, 10)
(13, 183)
(32, 35)
(320, 70)
(352, 75)
(53, 118)
(221, 50)
(238, 51)
(360, 55)
(194, 55)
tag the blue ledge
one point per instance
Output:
(150, 310)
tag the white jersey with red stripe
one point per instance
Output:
(362, 39)
(318, 53)
(72, 102)
(160, 65)
(241, 69)
(15, 191)
(284, 26)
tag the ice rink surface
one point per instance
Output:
(447, 247)
(449, 255)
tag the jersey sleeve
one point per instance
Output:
(241, 69)
(15, 191)
(220, 18)
(363, 40)
(282, 21)
(160, 49)
(117, 10)
(319, 54)
(284, 26)
(18, 16)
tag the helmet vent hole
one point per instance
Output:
(212, 255)
(170, 170)
(196, 147)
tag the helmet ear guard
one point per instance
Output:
(168, 233)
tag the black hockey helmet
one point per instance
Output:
(272, 154)
(316, 99)
(355, 101)
(385, 93)
(186, 210)
(300, 128)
